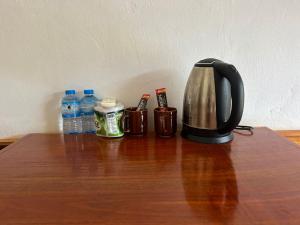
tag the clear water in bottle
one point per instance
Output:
(87, 104)
(72, 123)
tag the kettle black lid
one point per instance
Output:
(206, 62)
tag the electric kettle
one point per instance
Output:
(213, 102)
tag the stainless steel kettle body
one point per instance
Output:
(213, 102)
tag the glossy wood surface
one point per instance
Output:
(292, 135)
(55, 179)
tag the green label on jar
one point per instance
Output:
(109, 124)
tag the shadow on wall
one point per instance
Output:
(52, 116)
(132, 90)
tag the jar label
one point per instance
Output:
(109, 124)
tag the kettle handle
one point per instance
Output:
(237, 95)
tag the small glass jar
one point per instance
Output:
(108, 118)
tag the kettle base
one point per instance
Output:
(209, 140)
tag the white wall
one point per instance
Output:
(125, 48)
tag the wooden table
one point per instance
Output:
(55, 179)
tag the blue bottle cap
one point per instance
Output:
(88, 92)
(70, 92)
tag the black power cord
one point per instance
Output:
(244, 128)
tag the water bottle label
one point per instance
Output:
(87, 111)
(70, 110)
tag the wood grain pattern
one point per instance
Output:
(4, 142)
(56, 179)
(292, 135)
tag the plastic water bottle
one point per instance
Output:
(72, 123)
(87, 104)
